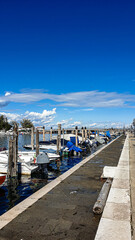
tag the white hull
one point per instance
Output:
(26, 161)
(67, 137)
(24, 168)
(43, 147)
(24, 164)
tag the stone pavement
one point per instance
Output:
(132, 182)
(115, 222)
(66, 211)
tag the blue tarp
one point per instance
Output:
(73, 140)
(108, 134)
(101, 135)
(71, 146)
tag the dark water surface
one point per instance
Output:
(14, 191)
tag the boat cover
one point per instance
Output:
(108, 134)
(73, 140)
(101, 135)
(71, 146)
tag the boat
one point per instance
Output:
(68, 137)
(32, 155)
(27, 161)
(25, 164)
(49, 147)
(100, 140)
(2, 178)
(23, 168)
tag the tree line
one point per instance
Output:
(5, 125)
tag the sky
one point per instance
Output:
(69, 62)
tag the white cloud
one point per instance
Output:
(68, 123)
(106, 125)
(88, 109)
(89, 99)
(37, 118)
(7, 94)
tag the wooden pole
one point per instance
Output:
(76, 136)
(59, 136)
(51, 134)
(10, 157)
(63, 135)
(16, 140)
(57, 144)
(43, 133)
(100, 203)
(37, 142)
(32, 138)
(82, 135)
(89, 133)
(85, 133)
(15, 158)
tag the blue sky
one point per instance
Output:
(68, 61)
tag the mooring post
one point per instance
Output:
(32, 138)
(10, 157)
(76, 136)
(37, 142)
(16, 140)
(13, 153)
(15, 157)
(57, 144)
(59, 136)
(82, 135)
(85, 133)
(43, 133)
(63, 135)
(51, 134)
(89, 133)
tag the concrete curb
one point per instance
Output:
(115, 221)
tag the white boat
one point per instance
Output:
(51, 147)
(32, 155)
(29, 157)
(24, 164)
(24, 168)
(100, 139)
(27, 161)
(67, 137)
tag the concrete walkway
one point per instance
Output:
(132, 181)
(116, 219)
(65, 212)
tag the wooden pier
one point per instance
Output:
(64, 212)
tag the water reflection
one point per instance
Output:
(22, 140)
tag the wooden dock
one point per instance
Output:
(65, 212)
